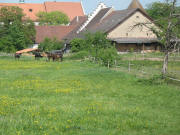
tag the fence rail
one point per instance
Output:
(6, 54)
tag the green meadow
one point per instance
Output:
(82, 98)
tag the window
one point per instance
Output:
(30, 10)
(127, 34)
(137, 16)
(147, 34)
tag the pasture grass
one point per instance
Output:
(74, 98)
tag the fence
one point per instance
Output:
(6, 54)
(141, 68)
(145, 65)
(145, 71)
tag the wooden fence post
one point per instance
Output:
(108, 64)
(143, 51)
(129, 67)
(115, 62)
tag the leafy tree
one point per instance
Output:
(158, 10)
(15, 34)
(108, 55)
(95, 42)
(77, 45)
(52, 18)
(50, 44)
(10, 14)
(96, 45)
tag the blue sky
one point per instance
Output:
(90, 5)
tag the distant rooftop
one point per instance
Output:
(72, 9)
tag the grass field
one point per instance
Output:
(81, 98)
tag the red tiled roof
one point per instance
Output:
(26, 9)
(72, 9)
(58, 32)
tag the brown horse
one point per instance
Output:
(55, 55)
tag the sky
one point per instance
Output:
(90, 5)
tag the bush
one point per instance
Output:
(50, 44)
(96, 45)
(95, 42)
(79, 55)
(108, 55)
(77, 45)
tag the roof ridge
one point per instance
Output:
(136, 4)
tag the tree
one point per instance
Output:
(108, 55)
(158, 10)
(15, 34)
(50, 44)
(77, 45)
(167, 27)
(95, 42)
(96, 45)
(52, 18)
(10, 14)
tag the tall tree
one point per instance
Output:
(15, 33)
(52, 18)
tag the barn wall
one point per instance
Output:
(125, 29)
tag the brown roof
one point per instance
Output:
(106, 24)
(136, 4)
(72, 9)
(72, 34)
(58, 32)
(113, 20)
(98, 23)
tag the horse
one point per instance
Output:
(37, 55)
(55, 55)
(17, 55)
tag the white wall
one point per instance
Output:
(126, 28)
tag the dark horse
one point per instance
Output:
(37, 55)
(55, 55)
(17, 55)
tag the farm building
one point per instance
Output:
(58, 32)
(118, 25)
